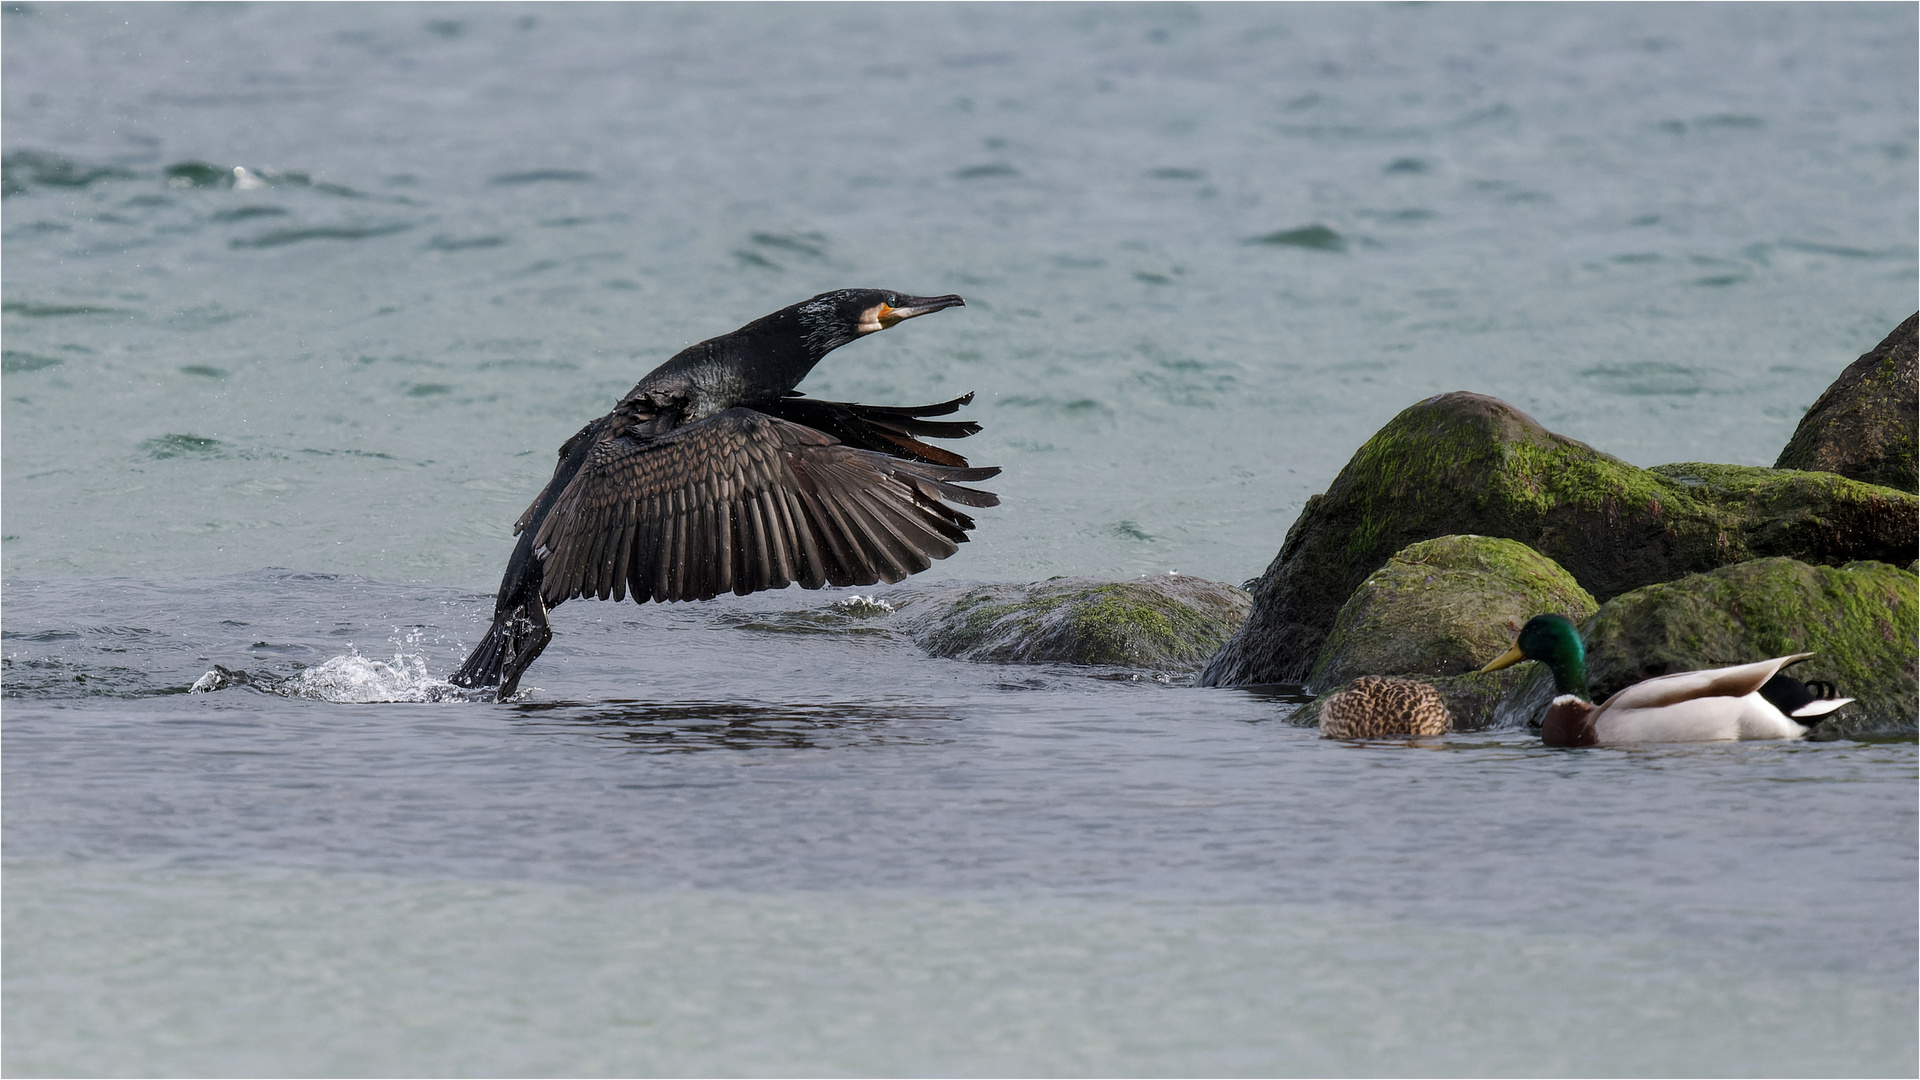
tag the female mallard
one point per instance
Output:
(1372, 707)
(1692, 706)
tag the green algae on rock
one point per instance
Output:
(1861, 621)
(1168, 623)
(1435, 613)
(1443, 607)
(1466, 463)
(1817, 517)
(1867, 424)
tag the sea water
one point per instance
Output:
(300, 299)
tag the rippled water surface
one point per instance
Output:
(278, 422)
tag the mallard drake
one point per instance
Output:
(1691, 706)
(1373, 707)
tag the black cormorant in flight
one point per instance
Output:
(714, 475)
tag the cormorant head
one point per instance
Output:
(835, 318)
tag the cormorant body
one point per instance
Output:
(713, 475)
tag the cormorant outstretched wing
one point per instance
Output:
(743, 501)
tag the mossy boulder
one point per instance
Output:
(1465, 463)
(1444, 606)
(1867, 424)
(1861, 621)
(1169, 623)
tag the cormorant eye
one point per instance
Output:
(893, 301)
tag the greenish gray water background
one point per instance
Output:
(284, 424)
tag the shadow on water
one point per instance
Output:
(1285, 693)
(685, 727)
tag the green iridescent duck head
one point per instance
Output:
(1554, 641)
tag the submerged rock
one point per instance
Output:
(1466, 463)
(1861, 621)
(1444, 607)
(1867, 424)
(1170, 623)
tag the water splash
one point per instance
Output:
(353, 679)
(360, 679)
(861, 606)
(219, 678)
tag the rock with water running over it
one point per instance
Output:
(1860, 621)
(1438, 611)
(1169, 623)
(1867, 424)
(1467, 463)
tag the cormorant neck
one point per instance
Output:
(783, 348)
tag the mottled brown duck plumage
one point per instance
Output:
(1375, 707)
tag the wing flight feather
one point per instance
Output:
(743, 501)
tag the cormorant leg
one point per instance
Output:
(530, 635)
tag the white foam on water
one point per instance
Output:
(359, 679)
(208, 683)
(861, 605)
(354, 678)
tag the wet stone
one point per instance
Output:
(1866, 425)
(1463, 463)
(1166, 623)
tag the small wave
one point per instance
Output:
(541, 176)
(811, 245)
(43, 311)
(13, 363)
(449, 242)
(198, 174)
(23, 169)
(993, 170)
(1311, 237)
(283, 237)
(248, 213)
(171, 446)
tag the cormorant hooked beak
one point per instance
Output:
(907, 307)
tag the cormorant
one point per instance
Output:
(713, 475)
